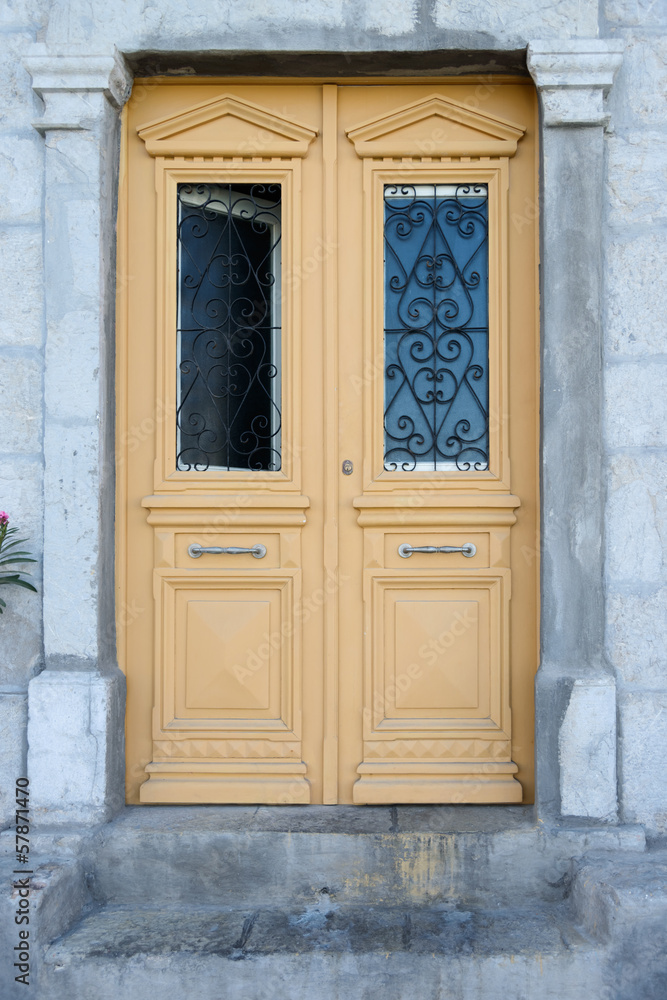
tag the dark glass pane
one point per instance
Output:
(436, 290)
(228, 327)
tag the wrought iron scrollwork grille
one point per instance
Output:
(436, 327)
(228, 414)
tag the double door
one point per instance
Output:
(327, 361)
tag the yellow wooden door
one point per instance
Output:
(327, 357)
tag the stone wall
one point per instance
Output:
(636, 404)
(21, 377)
(198, 35)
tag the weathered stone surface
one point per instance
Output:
(637, 636)
(587, 750)
(647, 13)
(285, 13)
(636, 404)
(21, 401)
(57, 893)
(572, 77)
(71, 541)
(640, 95)
(643, 759)
(21, 286)
(304, 25)
(385, 17)
(72, 354)
(325, 952)
(637, 177)
(636, 295)
(543, 19)
(75, 745)
(262, 857)
(13, 719)
(636, 536)
(18, 101)
(21, 166)
(23, 14)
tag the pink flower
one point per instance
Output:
(4, 519)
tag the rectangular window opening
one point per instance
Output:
(228, 327)
(436, 327)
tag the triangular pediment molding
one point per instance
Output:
(227, 126)
(436, 126)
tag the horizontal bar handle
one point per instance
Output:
(195, 550)
(406, 550)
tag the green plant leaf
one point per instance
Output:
(18, 582)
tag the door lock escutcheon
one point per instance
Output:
(348, 468)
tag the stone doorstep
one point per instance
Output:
(327, 946)
(261, 857)
(614, 894)
(324, 950)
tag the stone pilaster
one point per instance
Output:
(576, 714)
(76, 705)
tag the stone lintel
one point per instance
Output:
(573, 77)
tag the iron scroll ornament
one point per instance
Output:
(228, 413)
(436, 327)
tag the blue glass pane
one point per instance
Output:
(436, 290)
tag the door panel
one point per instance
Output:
(312, 273)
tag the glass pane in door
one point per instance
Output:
(228, 334)
(436, 319)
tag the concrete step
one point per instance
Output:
(621, 900)
(324, 951)
(249, 857)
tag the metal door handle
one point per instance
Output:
(406, 550)
(195, 550)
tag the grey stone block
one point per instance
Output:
(639, 96)
(72, 392)
(587, 750)
(636, 535)
(22, 14)
(636, 404)
(75, 745)
(21, 401)
(637, 637)
(390, 19)
(543, 20)
(612, 893)
(632, 13)
(21, 286)
(636, 296)
(71, 539)
(637, 177)
(21, 169)
(18, 100)
(643, 758)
